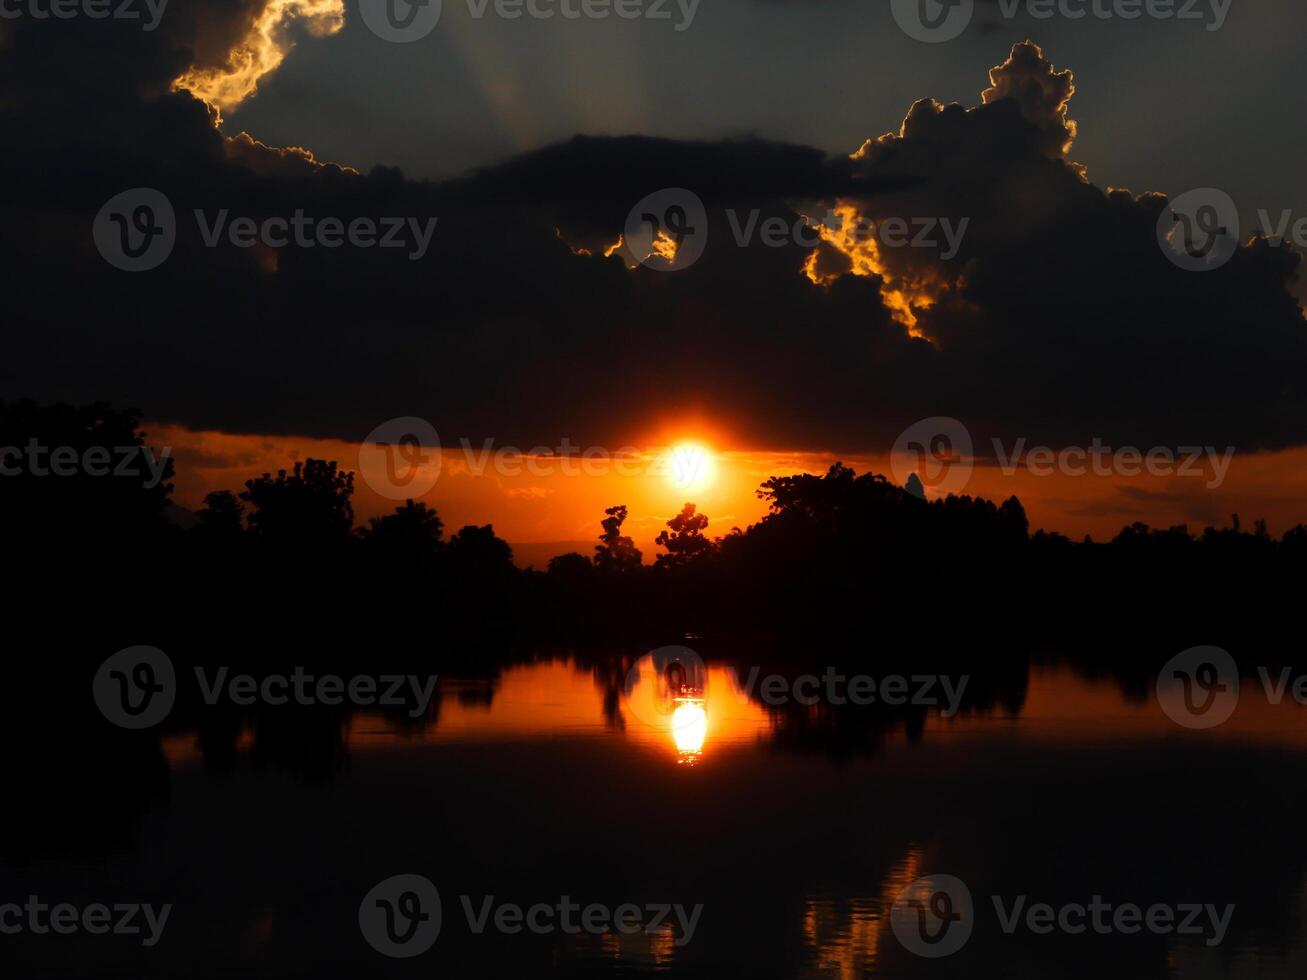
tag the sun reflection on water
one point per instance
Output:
(689, 730)
(669, 697)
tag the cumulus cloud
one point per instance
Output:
(1057, 318)
(1042, 93)
(272, 161)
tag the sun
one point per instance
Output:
(689, 466)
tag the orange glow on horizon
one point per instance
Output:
(549, 514)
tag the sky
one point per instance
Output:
(519, 161)
(1163, 104)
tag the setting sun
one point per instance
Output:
(689, 466)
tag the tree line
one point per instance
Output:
(837, 554)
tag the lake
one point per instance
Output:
(709, 835)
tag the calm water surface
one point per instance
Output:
(794, 833)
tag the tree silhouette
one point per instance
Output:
(570, 567)
(406, 541)
(476, 551)
(684, 539)
(78, 474)
(414, 526)
(616, 552)
(222, 517)
(309, 506)
(1294, 542)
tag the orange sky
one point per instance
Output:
(533, 509)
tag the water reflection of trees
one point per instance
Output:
(995, 685)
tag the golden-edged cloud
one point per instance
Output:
(260, 51)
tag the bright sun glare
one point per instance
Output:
(689, 466)
(689, 727)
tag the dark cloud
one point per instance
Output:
(1059, 318)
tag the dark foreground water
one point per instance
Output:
(791, 834)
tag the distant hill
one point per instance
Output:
(538, 553)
